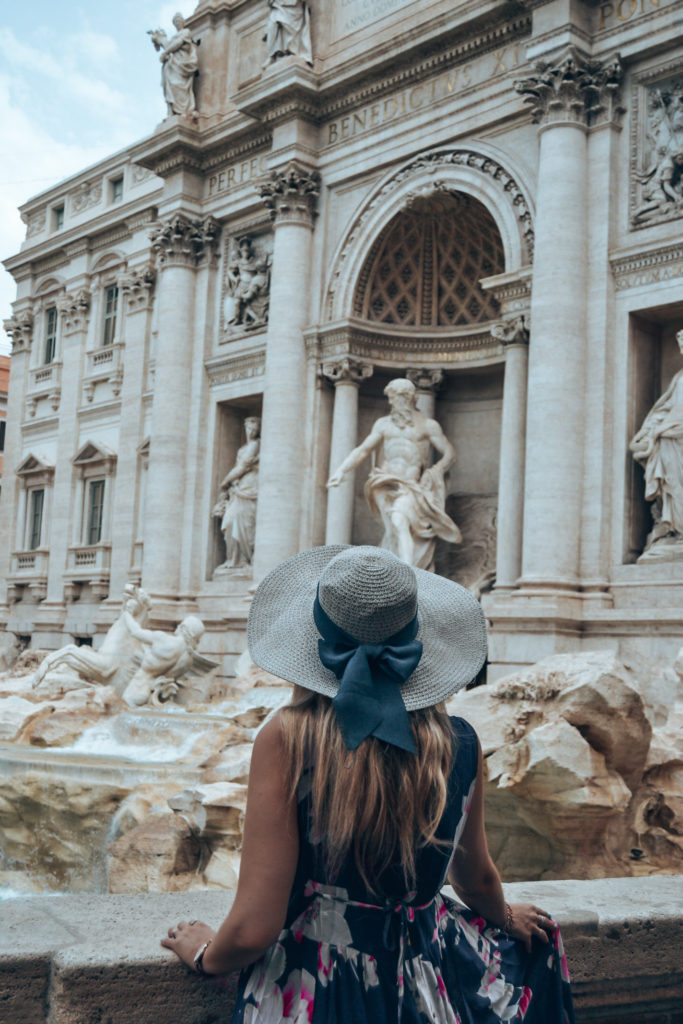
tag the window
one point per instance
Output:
(116, 189)
(37, 499)
(111, 296)
(95, 510)
(50, 334)
(58, 218)
(3, 424)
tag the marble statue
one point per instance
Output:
(248, 278)
(288, 31)
(661, 182)
(167, 656)
(237, 503)
(113, 663)
(404, 491)
(178, 67)
(658, 446)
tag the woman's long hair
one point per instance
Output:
(378, 803)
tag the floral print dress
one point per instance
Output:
(344, 957)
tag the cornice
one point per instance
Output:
(226, 369)
(647, 266)
(394, 346)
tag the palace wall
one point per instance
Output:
(484, 197)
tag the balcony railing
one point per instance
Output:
(89, 560)
(27, 565)
(43, 379)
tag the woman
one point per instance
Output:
(364, 798)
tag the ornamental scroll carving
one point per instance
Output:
(137, 286)
(574, 88)
(292, 194)
(86, 195)
(184, 241)
(657, 186)
(73, 309)
(19, 327)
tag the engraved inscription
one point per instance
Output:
(355, 14)
(417, 97)
(237, 174)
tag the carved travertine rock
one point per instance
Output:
(179, 65)
(404, 492)
(658, 446)
(576, 777)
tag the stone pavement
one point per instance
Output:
(82, 959)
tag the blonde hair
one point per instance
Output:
(379, 803)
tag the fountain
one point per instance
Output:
(124, 769)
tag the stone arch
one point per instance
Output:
(109, 260)
(48, 285)
(477, 172)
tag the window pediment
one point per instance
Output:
(96, 455)
(34, 466)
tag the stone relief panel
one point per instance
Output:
(87, 195)
(35, 222)
(657, 151)
(245, 291)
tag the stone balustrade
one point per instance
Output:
(71, 959)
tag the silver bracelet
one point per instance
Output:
(198, 959)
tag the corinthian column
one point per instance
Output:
(566, 96)
(180, 243)
(515, 338)
(291, 195)
(346, 374)
(427, 382)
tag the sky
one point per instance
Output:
(78, 81)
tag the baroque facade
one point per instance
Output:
(486, 198)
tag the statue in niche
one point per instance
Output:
(662, 180)
(288, 31)
(114, 662)
(404, 492)
(658, 446)
(248, 279)
(179, 65)
(236, 505)
(166, 658)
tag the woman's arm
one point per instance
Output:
(269, 857)
(476, 881)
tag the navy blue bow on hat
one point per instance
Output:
(369, 702)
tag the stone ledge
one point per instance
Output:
(80, 958)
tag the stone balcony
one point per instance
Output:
(73, 959)
(28, 569)
(103, 365)
(88, 563)
(44, 382)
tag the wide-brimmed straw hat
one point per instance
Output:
(371, 595)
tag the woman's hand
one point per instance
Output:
(528, 922)
(186, 938)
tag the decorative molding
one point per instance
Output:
(35, 222)
(656, 146)
(512, 291)
(184, 241)
(574, 88)
(648, 267)
(86, 195)
(435, 163)
(245, 367)
(512, 331)
(400, 349)
(19, 327)
(347, 370)
(136, 286)
(426, 379)
(138, 174)
(73, 309)
(291, 194)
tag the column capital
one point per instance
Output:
(137, 285)
(73, 308)
(425, 378)
(291, 194)
(182, 241)
(574, 89)
(347, 370)
(20, 329)
(513, 331)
